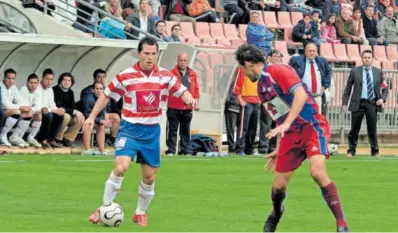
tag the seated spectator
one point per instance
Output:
(306, 31)
(100, 122)
(358, 24)
(238, 11)
(268, 5)
(114, 8)
(370, 27)
(154, 5)
(86, 19)
(371, 3)
(161, 30)
(383, 7)
(14, 111)
(388, 28)
(112, 110)
(175, 33)
(300, 6)
(177, 10)
(328, 30)
(39, 5)
(111, 28)
(65, 11)
(202, 11)
(31, 96)
(346, 29)
(140, 20)
(258, 34)
(73, 119)
(52, 116)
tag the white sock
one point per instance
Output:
(34, 129)
(10, 122)
(145, 196)
(112, 187)
(21, 128)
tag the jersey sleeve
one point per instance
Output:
(175, 87)
(115, 89)
(286, 78)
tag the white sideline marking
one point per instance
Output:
(12, 161)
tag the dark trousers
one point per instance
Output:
(207, 16)
(367, 108)
(266, 145)
(231, 122)
(50, 126)
(240, 15)
(181, 118)
(249, 116)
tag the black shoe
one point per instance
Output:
(272, 222)
(342, 229)
(68, 143)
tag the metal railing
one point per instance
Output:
(94, 24)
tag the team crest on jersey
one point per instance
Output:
(120, 143)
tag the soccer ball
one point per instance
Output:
(333, 149)
(111, 215)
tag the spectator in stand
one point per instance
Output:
(273, 5)
(112, 110)
(336, 7)
(73, 119)
(177, 10)
(126, 4)
(388, 27)
(258, 34)
(175, 33)
(179, 115)
(39, 5)
(246, 93)
(358, 24)
(383, 7)
(161, 30)
(140, 20)
(238, 11)
(346, 29)
(370, 28)
(31, 96)
(316, 23)
(300, 6)
(86, 17)
(328, 30)
(372, 3)
(154, 5)
(52, 116)
(114, 8)
(14, 111)
(202, 11)
(101, 123)
(306, 31)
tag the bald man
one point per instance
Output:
(179, 114)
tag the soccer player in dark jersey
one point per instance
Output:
(303, 131)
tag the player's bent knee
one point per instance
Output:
(281, 180)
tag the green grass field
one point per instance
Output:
(57, 193)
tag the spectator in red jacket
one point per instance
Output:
(179, 114)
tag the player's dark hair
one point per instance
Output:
(160, 21)
(249, 53)
(147, 41)
(9, 71)
(47, 71)
(64, 75)
(32, 76)
(97, 72)
(367, 51)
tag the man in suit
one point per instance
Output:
(369, 93)
(314, 71)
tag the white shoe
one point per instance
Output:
(4, 141)
(18, 142)
(34, 143)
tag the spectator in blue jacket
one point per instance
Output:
(259, 35)
(306, 31)
(100, 122)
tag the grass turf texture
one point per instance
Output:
(57, 193)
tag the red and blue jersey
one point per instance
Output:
(275, 88)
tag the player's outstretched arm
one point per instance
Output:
(101, 103)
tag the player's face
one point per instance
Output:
(250, 71)
(66, 82)
(9, 80)
(32, 84)
(98, 90)
(47, 80)
(367, 59)
(148, 56)
(100, 78)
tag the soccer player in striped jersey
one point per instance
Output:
(304, 132)
(145, 88)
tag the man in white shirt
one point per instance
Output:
(31, 96)
(52, 117)
(14, 111)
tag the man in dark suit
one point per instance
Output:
(368, 96)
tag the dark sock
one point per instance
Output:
(277, 196)
(331, 197)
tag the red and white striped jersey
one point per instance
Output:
(144, 96)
